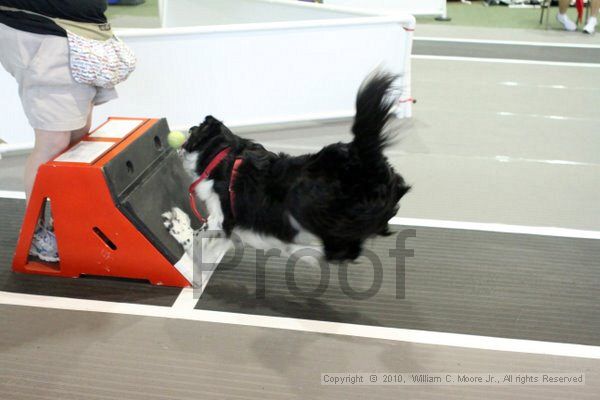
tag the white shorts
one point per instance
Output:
(51, 99)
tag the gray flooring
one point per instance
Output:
(12, 168)
(54, 354)
(507, 51)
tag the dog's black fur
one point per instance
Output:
(343, 194)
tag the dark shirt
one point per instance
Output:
(73, 10)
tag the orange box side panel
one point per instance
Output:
(80, 202)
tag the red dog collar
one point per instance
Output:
(234, 174)
(206, 173)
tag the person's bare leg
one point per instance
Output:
(563, 18)
(594, 8)
(77, 134)
(590, 26)
(48, 144)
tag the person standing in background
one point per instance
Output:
(35, 51)
(563, 18)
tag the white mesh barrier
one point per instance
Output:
(284, 62)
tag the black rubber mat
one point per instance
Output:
(11, 212)
(506, 51)
(483, 283)
(493, 284)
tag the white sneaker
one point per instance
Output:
(43, 245)
(590, 27)
(566, 22)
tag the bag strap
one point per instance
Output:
(88, 30)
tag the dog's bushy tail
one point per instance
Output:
(374, 104)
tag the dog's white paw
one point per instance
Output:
(178, 224)
(181, 216)
(167, 217)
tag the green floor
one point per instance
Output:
(140, 16)
(147, 9)
(475, 14)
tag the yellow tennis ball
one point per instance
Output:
(176, 139)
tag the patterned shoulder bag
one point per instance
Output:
(96, 56)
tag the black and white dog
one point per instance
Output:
(342, 195)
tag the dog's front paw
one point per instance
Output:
(175, 219)
(167, 217)
(181, 216)
(177, 223)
